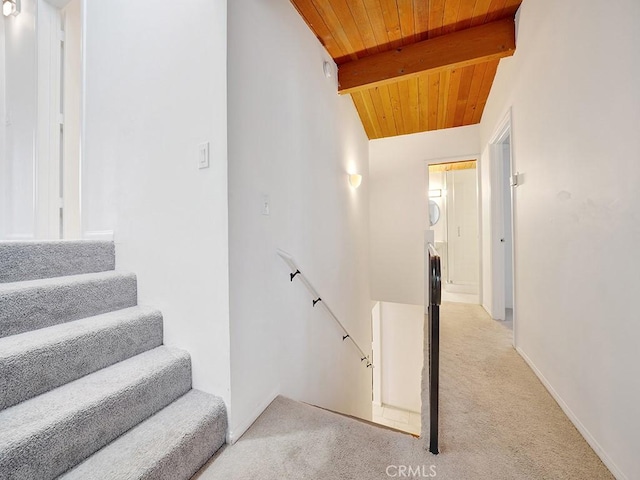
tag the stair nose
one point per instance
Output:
(20, 261)
(43, 437)
(32, 363)
(35, 304)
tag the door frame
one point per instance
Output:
(60, 129)
(47, 173)
(497, 160)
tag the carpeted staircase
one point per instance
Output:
(87, 389)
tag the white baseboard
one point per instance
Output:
(98, 235)
(469, 298)
(234, 435)
(19, 237)
(460, 288)
(574, 419)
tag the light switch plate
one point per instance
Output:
(203, 155)
(515, 180)
(266, 204)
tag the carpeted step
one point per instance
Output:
(45, 436)
(34, 304)
(171, 445)
(35, 362)
(21, 261)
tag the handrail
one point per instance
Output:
(435, 297)
(296, 273)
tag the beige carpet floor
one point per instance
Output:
(497, 422)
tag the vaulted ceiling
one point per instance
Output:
(414, 65)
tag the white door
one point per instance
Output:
(462, 211)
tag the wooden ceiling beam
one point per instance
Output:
(475, 45)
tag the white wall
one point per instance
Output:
(401, 355)
(291, 137)
(18, 158)
(155, 89)
(576, 111)
(3, 148)
(398, 203)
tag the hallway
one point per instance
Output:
(497, 422)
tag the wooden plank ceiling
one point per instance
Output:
(395, 94)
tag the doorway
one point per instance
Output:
(40, 135)
(454, 219)
(59, 118)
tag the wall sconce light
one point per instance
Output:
(326, 68)
(355, 180)
(10, 7)
(435, 193)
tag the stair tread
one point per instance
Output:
(172, 444)
(35, 339)
(23, 260)
(65, 280)
(48, 434)
(22, 419)
(33, 304)
(63, 241)
(34, 362)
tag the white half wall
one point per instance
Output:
(155, 90)
(292, 141)
(398, 204)
(401, 355)
(576, 110)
